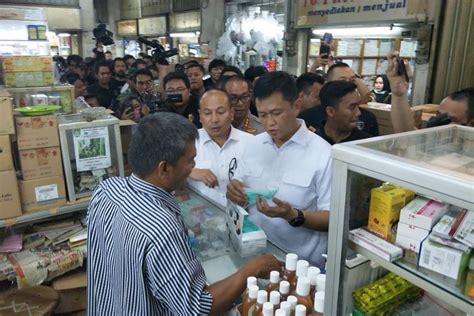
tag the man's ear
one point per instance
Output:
(330, 111)
(163, 169)
(298, 102)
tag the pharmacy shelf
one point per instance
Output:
(37, 216)
(429, 283)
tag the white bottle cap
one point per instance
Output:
(290, 262)
(280, 312)
(262, 297)
(300, 310)
(274, 277)
(320, 282)
(284, 287)
(286, 306)
(253, 292)
(275, 297)
(293, 301)
(267, 309)
(319, 302)
(302, 268)
(251, 281)
(302, 286)
(313, 272)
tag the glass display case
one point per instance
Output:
(206, 225)
(91, 149)
(436, 163)
(62, 95)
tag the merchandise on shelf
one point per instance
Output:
(423, 212)
(28, 79)
(6, 119)
(9, 195)
(42, 194)
(6, 161)
(27, 63)
(375, 244)
(41, 163)
(36, 132)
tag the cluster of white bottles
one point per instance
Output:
(300, 292)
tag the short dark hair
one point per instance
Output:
(254, 72)
(74, 59)
(126, 57)
(176, 76)
(214, 90)
(117, 59)
(276, 82)
(468, 96)
(233, 69)
(335, 66)
(159, 137)
(333, 91)
(216, 63)
(304, 82)
(108, 52)
(139, 62)
(144, 72)
(101, 63)
(72, 77)
(224, 81)
(195, 65)
(90, 96)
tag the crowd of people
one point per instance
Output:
(235, 130)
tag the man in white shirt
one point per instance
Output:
(293, 160)
(219, 148)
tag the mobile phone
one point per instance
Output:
(174, 98)
(402, 71)
(324, 49)
(327, 38)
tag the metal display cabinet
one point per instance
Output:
(91, 150)
(437, 163)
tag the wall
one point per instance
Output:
(212, 23)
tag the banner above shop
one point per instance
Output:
(127, 28)
(311, 13)
(185, 22)
(152, 26)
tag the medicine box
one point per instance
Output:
(423, 212)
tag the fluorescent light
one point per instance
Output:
(183, 34)
(361, 32)
(64, 35)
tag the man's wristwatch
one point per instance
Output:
(298, 220)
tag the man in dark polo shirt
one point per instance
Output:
(103, 89)
(340, 100)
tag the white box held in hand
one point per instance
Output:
(422, 212)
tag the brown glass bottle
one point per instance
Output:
(274, 281)
(284, 290)
(250, 301)
(313, 273)
(290, 267)
(301, 271)
(250, 281)
(318, 309)
(262, 297)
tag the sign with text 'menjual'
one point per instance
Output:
(332, 12)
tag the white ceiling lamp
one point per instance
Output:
(185, 34)
(354, 32)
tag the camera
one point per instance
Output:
(174, 98)
(402, 71)
(438, 120)
(103, 35)
(159, 54)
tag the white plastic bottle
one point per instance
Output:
(275, 299)
(262, 298)
(286, 306)
(318, 309)
(320, 282)
(251, 300)
(293, 300)
(301, 271)
(290, 267)
(313, 273)
(284, 290)
(274, 281)
(302, 293)
(280, 312)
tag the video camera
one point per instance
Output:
(159, 54)
(103, 35)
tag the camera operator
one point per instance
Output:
(457, 108)
(178, 97)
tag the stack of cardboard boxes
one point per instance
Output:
(27, 71)
(9, 195)
(42, 184)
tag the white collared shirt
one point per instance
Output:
(217, 159)
(301, 172)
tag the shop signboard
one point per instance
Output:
(152, 26)
(129, 9)
(155, 7)
(127, 28)
(185, 22)
(312, 13)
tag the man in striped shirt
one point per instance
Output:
(140, 260)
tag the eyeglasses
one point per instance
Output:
(142, 83)
(232, 168)
(173, 91)
(234, 99)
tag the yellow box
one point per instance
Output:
(27, 63)
(28, 79)
(385, 206)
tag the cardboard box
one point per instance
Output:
(423, 213)
(72, 291)
(27, 63)
(9, 195)
(42, 194)
(411, 231)
(6, 160)
(246, 237)
(41, 163)
(36, 131)
(444, 260)
(6, 109)
(385, 205)
(375, 244)
(382, 114)
(28, 79)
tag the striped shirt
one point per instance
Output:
(140, 261)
